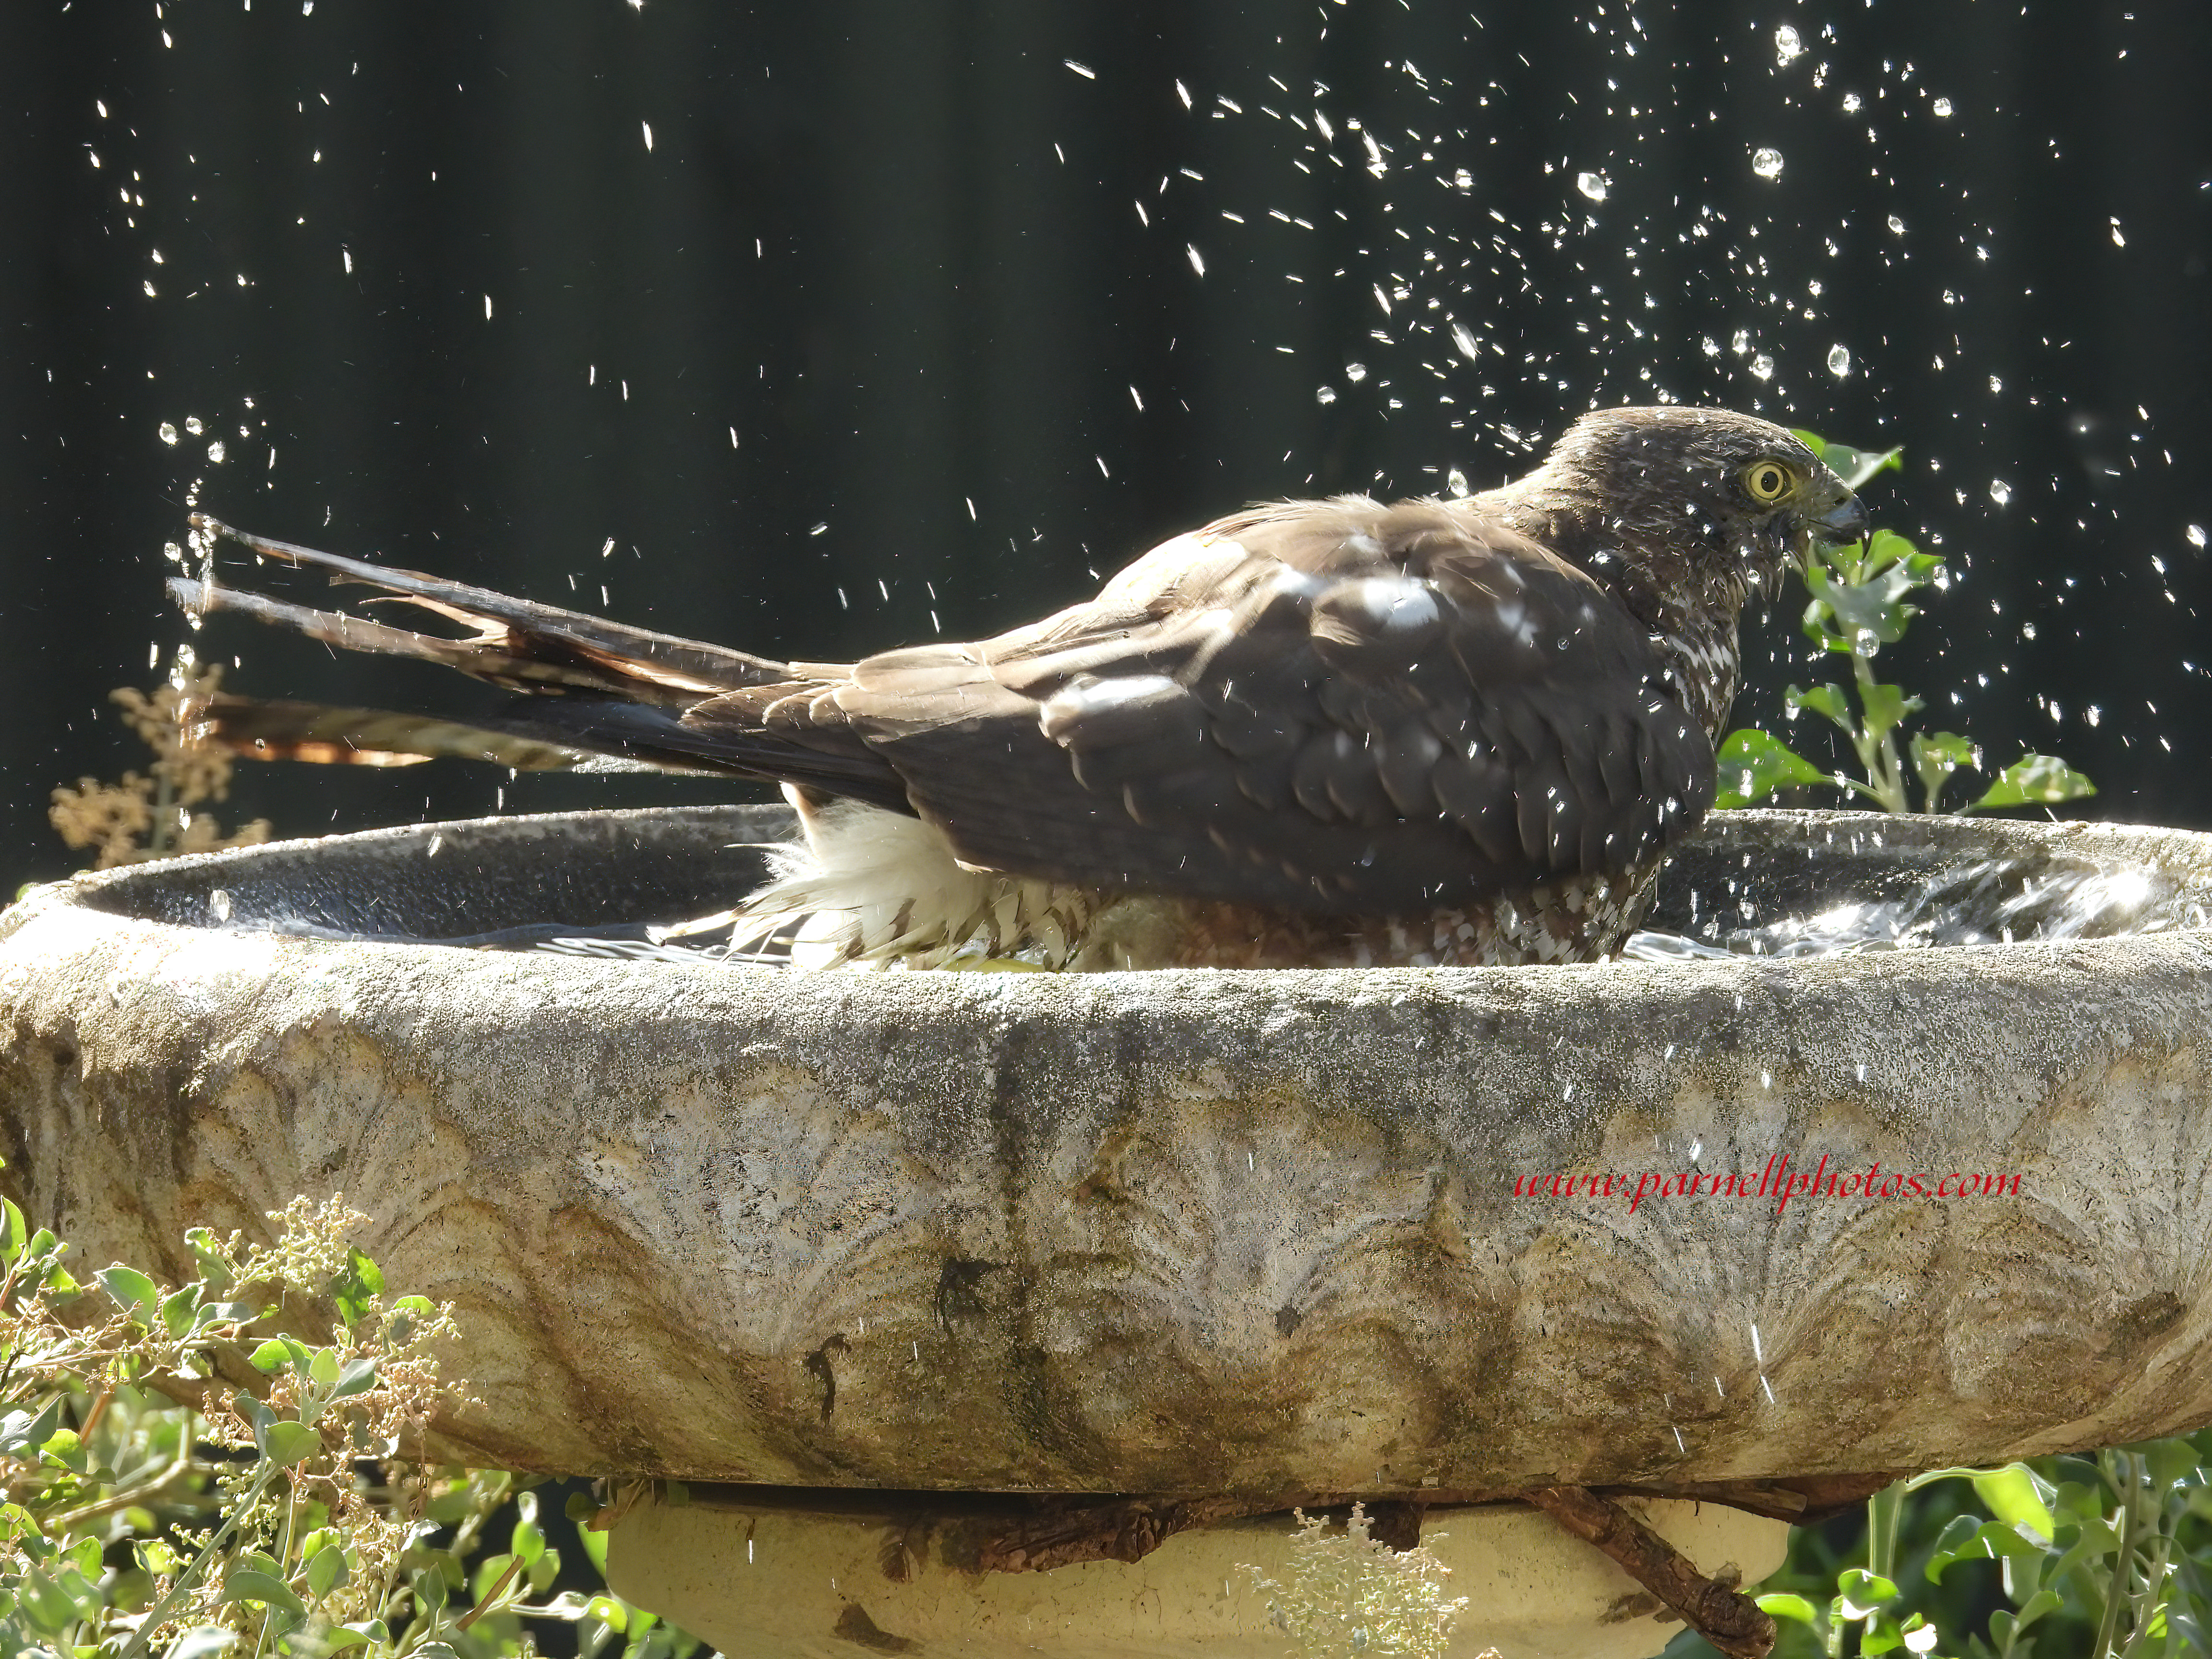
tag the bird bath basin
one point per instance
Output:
(1200, 1236)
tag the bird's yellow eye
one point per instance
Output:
(1766, 480)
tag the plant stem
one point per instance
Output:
(154, 1620)
(1885, 1514)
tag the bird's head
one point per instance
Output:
(1737, 501)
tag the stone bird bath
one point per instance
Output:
(872, 1259)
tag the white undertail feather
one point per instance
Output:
(881, 889)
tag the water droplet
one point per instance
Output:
(1711, 347)
(1324, 394)
(1788, 48)
(1996, 385)
(1741, 343)
(1455, 482)
(1942, 107)
(2119, 241)
(2197, 535)
(1462, 179)
(1466, 342)
(1839, 362)
(1767, 163)
(1896, 226)
(1763, 366)
(1592, 185)
(1197, 260)
(193, 425)
(1355, 373)
(169, 436)
(1083, 70)
(1851, 103)
(216, 453)
(2000, 491)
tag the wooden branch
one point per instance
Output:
(1125, 1531)
(1729, 1619)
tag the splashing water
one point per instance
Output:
(1992, 902)
(1767, 163)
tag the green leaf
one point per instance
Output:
(327, 1569)
(614, 1614)
(2035, 780)
(2010, 1495)
(1854, 466)
(51, 1607)
(1887, 706)
(544, 1571)
(207, 1257)
(285, 1443)
(357, 1284)
(133, 1290)
(2170, 1461)
(338, 1637)
(246, 1585)
(1885, 548)
(24, 1431)
(1864, 1589)
(12, 1235)
(1790, 1607)
(1828, 700)
(177, 1308)
(279, 1351)
(1870, 614)
(323, 1367)
(358, 1376)
(529, 1542)
(84, 1556)
(2036, 1606)
(1754, 764)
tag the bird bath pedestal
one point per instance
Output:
(870, 1260)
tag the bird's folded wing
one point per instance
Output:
(1379, 710)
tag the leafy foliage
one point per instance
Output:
(1860, 602)
(157, 804)
(154, 1504)
(1352, 1593)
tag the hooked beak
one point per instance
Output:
(1847, 522)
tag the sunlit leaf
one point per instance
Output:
(354, 1287)
(1754, 764)
(359, 1375)
(2035, 780)
(265, 1587)
(327, 1569)
(285, 1442)
(2010, 1495)
(1854, 466)
(278, 1351)
(133, 1290)
(1887, 706)
(1788, 1607)
(1828, 700)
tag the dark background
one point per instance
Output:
(872, 340)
